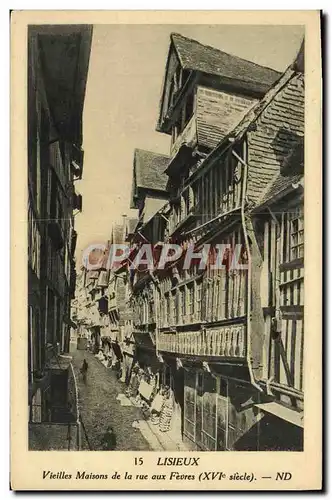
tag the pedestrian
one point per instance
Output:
(84, 370)
(108, 441)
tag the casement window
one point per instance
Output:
(293, 234)
(296, 236)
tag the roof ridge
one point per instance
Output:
(256, 111)
(223, 52)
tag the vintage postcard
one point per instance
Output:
(166, 250)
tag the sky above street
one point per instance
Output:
(126, 70)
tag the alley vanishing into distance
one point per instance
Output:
(99, 408)
(189, 311)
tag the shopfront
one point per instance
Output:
(218, 413)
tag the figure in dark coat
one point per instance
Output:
(84, 370)
(108, 441)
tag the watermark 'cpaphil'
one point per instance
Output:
(146, 256)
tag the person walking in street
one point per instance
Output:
(108, 441)
(84, 370)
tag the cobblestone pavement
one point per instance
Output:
(100, 409)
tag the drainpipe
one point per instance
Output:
(246, 241)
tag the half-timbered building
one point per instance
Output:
(230, 339)
(58, 59)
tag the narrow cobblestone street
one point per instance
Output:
(100, 409)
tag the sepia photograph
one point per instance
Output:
(166, 271)
(166, 237)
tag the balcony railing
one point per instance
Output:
(227, 341)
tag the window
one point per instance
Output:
(296, 235)
(198, 300)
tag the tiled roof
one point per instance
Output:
(150, 169)
(196, 56)
(280, 184)
(275, 131)
(278, 131)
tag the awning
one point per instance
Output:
(292, 416)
